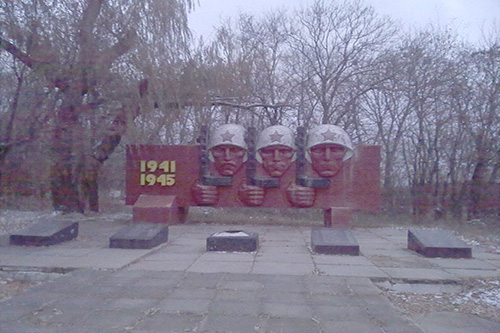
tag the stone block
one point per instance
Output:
(334, 241)
(46, 233)
(338, 217)
(140, 236)
(234, 241)
(437, 243)
(156, 209)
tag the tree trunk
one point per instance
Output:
(477, 188)
(89, 173)
(65, 195)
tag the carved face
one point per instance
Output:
(327, 159)
(228, 159)
(276, 159)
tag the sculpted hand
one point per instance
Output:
(205, 195)
(300, 196)
(251, 195)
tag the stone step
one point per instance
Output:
(334, 241)
(46, 233)
(437, 243)
(140, 236)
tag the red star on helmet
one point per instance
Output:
(276, 137)
(328, 135)
(227, 136)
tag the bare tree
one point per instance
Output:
(338, 43)
(387, 109)
(482, 122)
(77, 47)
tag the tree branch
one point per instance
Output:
(19, 55)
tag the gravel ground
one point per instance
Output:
(9, 286)
(478, 297)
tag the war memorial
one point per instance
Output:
(155, 272)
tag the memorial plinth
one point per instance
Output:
(156, 209)
(334, 241)
(46, 233)
(338, 217)
(437, 243)
(233, 241)
(140, 236)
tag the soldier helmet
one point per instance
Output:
(322, 134)
(227, 134)
(276, 135)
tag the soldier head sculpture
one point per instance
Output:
(227, 148)
(275, 149)
(328, 146)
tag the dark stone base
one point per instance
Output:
(140, 236)
(269, 182)
(217, 180)
(313, 182)
(46, 233)
(334, 241)
(234, 241)
(437, 243)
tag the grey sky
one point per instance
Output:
(468, 17)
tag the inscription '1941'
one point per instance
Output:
(149, 168)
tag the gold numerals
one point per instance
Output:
(149, 178)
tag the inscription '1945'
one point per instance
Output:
(149, 168)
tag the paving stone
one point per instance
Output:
(417, 273)
(85, 302)
(285, 248)
(175, 305)
(332, 300)
(46, 233)
(287, 310)
(227, 257)
(137, 304)
(217, 267)
(197, 293)
(297, 258)
(238, 295)
(152, 292)
(358, 271)
(272, 296)
(159, 266)
(342, 260)
(473, 273)
(202, 280)
(242, 285)
(169, 322)
(232, 324)
(339, 313)
(241, 308)
(16, 327)
(282, 268)
(292, 325)
(349, 326)
(402, 262)
(285, 286)
(462, 263)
